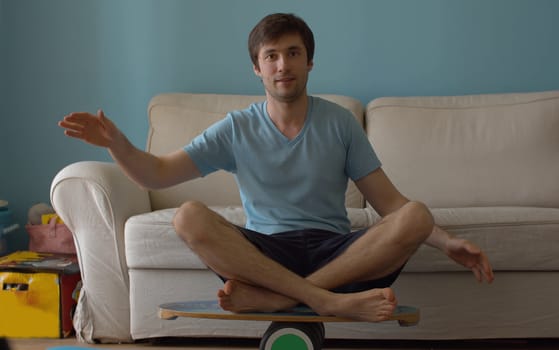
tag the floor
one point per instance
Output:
(251, 344)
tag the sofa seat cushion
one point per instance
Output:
(152, 243)
(515, 238)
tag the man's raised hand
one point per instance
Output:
(97, 129)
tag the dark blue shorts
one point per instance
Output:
(305, 251)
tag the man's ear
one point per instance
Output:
(310, 65)
(256, 70)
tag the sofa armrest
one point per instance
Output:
(95, 199)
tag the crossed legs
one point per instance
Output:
(380, 251)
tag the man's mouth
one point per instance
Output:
(284, 79)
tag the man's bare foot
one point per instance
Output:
(240, 297)
(374, 305)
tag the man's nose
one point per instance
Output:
(283, 63)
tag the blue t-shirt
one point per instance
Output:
(289, 184)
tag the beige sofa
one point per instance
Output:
(487, 166)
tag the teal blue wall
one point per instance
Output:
(3, 98)
(60, 56)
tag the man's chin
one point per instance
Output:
(287, 97)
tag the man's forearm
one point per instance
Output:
(438, 238)
(140, 166)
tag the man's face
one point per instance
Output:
(283, 68)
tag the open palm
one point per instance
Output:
(469, 255)
(97, 129)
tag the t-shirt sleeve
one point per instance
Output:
(361, 158)
(212, 150)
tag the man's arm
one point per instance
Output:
(385, 198)
(380, 192)
(146, 169)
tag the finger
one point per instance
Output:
(106, 122)
(482, 269)
(488, 272)
(101, 115)
(489, 277)
(477, 274)
(486, 268)
(74, 134)
(485, 273)
(78, 116)
(76, 121)
(70, 125)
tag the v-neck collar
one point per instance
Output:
(301, 133)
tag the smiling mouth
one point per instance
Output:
(285, 80)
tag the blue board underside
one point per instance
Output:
(211, 306)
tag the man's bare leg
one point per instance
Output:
(381, 258)
(383, 249)
(227, 252)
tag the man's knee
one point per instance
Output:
(189, 221)
(416, 221)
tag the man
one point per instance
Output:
(292, 156)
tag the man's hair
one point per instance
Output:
(273, 27)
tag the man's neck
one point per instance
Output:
(288, 117)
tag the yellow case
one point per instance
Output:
(30, 305)
(45, 219)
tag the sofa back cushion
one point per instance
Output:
(468, 151)
(176, 118)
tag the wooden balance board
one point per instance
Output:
(297, 329)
